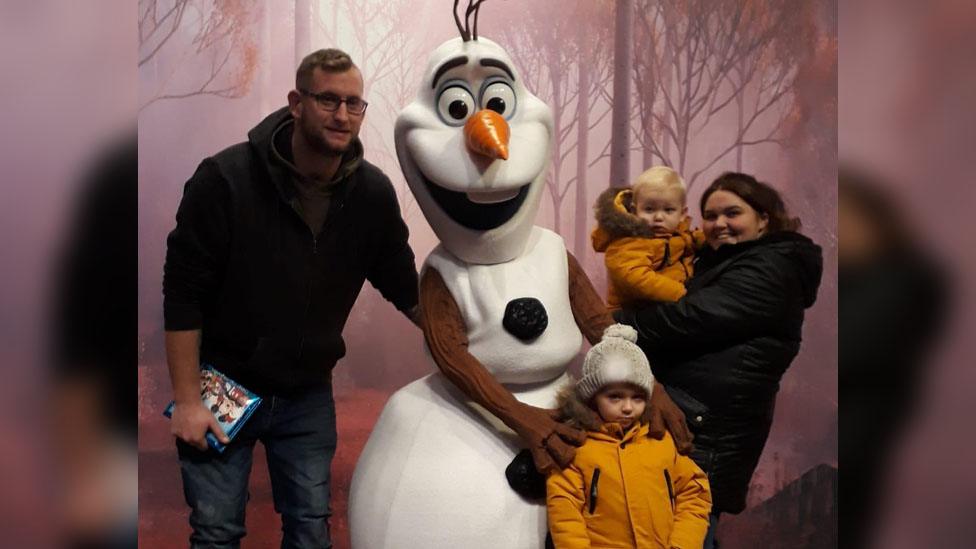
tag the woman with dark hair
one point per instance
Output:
(722, 349)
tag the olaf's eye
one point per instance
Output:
(455, 105)
(499, 97)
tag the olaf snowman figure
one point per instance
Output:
(505, 308)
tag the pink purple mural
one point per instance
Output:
(703, 86)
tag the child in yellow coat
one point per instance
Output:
(624, 489)
(644, 233)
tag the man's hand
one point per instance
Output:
(190, 423)
(665, 414)
(191, 419)
(551, 443)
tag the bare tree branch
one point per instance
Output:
(698, 59)
(147, 30)
(218, 41)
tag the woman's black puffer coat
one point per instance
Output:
(722, 349)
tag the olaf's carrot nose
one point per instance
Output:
(487, 134)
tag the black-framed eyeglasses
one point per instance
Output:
(331, 102)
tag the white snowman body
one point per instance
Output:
(433, 471)
(432, 474)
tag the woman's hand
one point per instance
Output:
(665, 414)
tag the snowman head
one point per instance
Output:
(474, 146)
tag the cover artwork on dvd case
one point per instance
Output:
(230, 402)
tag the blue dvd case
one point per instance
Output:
(231, 403)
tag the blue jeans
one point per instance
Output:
(710, 541)
(299, 437)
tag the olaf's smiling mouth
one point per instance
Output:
(480, 211)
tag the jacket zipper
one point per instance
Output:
(667, 480)
(308, 294)
(593, 489)
(315, 251)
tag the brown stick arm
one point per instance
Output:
(445, 332)
(590, 312)
(447, 339)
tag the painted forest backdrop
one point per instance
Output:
(704, 86)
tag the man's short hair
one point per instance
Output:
(329, 60)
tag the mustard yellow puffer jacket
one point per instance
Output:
(628, 491)
(641, 266)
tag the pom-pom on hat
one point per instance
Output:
(615, 359)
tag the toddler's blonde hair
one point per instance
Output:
(659, 177)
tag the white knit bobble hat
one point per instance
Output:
(615, 359)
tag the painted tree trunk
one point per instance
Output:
(648, 156)
(740, 104)
(555, 185)
(620, 122)
(582, 216)
(666, 79)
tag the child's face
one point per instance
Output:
(621, 403)
(662, 208)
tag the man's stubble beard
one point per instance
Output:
(318, 143)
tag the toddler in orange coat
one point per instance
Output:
(644, 233)
(624, 488)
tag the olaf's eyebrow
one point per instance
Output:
(498, 64)
(448, 65)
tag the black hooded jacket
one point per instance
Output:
(722, 349)
(270, 296)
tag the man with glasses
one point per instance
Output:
(274, 239)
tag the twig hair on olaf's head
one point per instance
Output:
(467, 30)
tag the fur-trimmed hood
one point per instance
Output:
(578, 414)
(614, 220)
